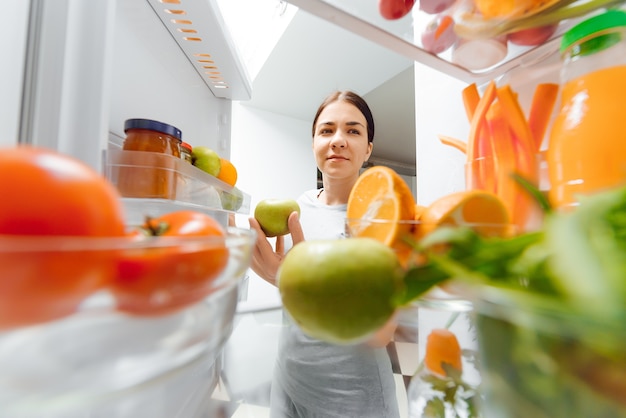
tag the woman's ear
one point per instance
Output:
(370, 148)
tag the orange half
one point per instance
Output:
(480, 210)
(379, 196)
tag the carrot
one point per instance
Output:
(442, 348)
(471, 97)
(540, 112)
(453, 142)
(515, 117)
(478, 144)
(443, 25)
(504, 160)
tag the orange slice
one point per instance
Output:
(442, 347)
(419, 210)
(481, 210)
(378, 204)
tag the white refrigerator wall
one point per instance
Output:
(12, 47)
(153, 79)
(438, 110)
(274, 159)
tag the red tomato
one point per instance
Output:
(50, 202)
(172, 269)
(395, 9)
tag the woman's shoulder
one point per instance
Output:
(309, 199)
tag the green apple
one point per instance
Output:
(206, 160)
(272, 215)
(231, 200)
(340, 291)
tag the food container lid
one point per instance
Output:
(186, 146)
(153, 125)
(607, 20)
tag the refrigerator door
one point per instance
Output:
(78, 70)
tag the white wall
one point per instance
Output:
(274, 159)
(438, 110)
(13, 33)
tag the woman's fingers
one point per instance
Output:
(295, 228)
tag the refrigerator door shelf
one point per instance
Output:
(152, 184)
(404, 36)
(199, 29)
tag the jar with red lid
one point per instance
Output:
(149, 168)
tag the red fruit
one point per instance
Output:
(395, 9)
(532, 36)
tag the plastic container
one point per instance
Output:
(154, 137)
(587, 144)
(195, 188)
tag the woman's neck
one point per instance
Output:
(335, 193)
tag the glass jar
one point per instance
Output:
(152, 172)
(446, 382)
(185, 152)
(587, 146)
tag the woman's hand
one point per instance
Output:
(265, 259)
(384, 335)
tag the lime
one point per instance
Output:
(340, 291)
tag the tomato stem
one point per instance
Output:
(154, 227)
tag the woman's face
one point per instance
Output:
(340, 142)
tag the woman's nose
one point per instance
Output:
(338, 141)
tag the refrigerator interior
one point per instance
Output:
(102, 63)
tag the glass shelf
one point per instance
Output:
(152, 184)
(403, 35)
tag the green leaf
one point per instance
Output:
(435, 408)
(534, 192)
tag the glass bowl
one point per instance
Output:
(86, 355)
(541, 359)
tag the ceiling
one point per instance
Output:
(314, 57)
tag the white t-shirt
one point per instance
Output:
(317, 379)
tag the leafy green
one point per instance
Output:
(448, 394)
(550, 308)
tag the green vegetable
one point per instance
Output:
(550, 309)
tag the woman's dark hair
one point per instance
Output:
(354, 99)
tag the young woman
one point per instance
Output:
(313, 378)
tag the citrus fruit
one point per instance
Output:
(419, 210)
(228, 172)
(508, 8)
(380, 194)
(481, 210)
(442, 347)
(340, 291)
